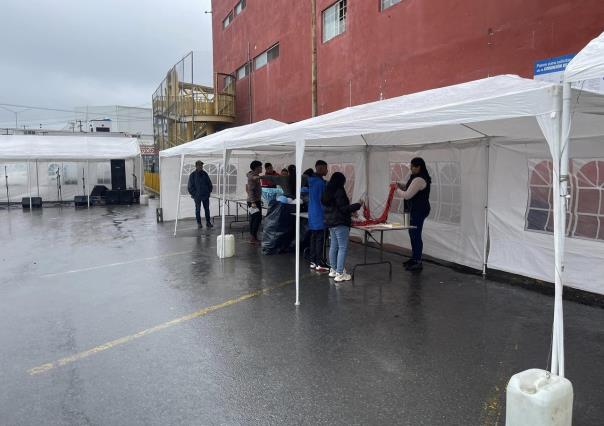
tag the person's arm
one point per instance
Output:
(344, 205)
(417, 184)
(190, 186)
(210, 185)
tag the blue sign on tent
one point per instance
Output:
(551, 65)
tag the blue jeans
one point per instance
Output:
(206, 208)
(415, 235)
(338, 247)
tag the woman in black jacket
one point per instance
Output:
(337, 215)
(416, 194)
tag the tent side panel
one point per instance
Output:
(520, 202)
(455, 228)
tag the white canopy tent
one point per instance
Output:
(209, 149)
(498, 132)
(59, 152)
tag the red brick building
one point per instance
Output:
(372, 49)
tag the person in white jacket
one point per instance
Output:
(416, 193)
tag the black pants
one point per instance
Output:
(206, 208)
(255, 219)
(317, 239)
(415, 235)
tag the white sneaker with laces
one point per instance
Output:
(342, 277)
(332, 273)
(313, 266)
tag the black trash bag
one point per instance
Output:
(279, 229)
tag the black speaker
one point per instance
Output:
(80, 201)
(99, 191)
(126, 197)
(118, 174)
(36, 202)
(112, 197)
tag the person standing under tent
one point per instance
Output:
(416, 193)
(268, 171)
(287, 183)
(200, 187)
(254, 199)
(337, 215)
(284, 172)
(316, 224)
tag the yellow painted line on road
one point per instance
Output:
(110, 265)
(117, 342)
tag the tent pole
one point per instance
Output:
(486, 213)
(37, 179)
(88, 174)
(225, 161)
(182, 160)
(29, 186)
(299, 157)
(562, 209)
(141, 174)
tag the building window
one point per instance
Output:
(334, 20)
(227, 21)
(260, 60)
(239, 7)
(266, 56)
(388, 3)
(243, 71)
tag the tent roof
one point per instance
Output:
(588, 63)
(215, 141)
(460, 112)
(36, 147)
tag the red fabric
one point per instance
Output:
(383, 217)
(267, 183)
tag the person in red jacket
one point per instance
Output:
(268, 171)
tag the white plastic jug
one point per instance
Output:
(537, 398)
(229, 246)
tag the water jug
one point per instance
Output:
(406, 219)
(537, 398)
(229, 246)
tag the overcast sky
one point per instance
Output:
(68, 53)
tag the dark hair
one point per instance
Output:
(266, 165)
(337, 181)
(291, 179)
(320, 163)
(255, 164)
(284, 170)
(419, 162)
(309, 172)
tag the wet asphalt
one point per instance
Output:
(435, 348)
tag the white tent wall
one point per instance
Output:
(454, 231)
(43, 178)
(239, 165)
(530, 253)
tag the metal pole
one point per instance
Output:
(7, 192)
(37, 179)
(299, 157)
(314, 57)
(225, 160)
(182, 160)
(29, 186)
(88, 174)
(486, 214)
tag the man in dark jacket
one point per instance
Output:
(200, 187)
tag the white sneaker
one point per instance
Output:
(313, 266)
(332, 273)
(342, 277)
